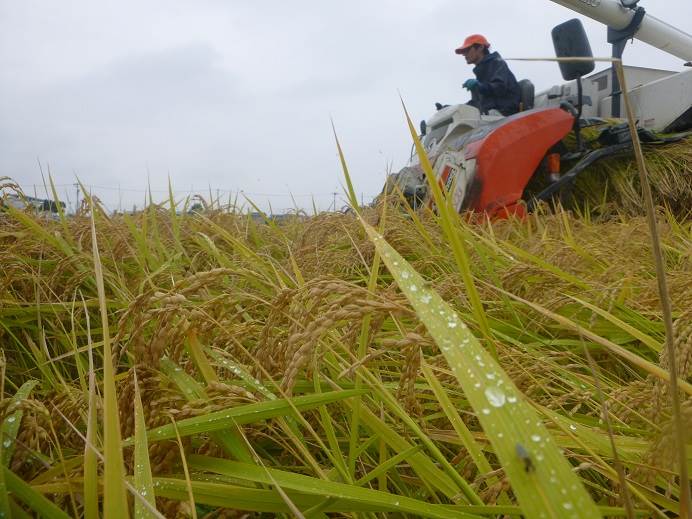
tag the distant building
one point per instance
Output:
(278, 218)
(40, 205)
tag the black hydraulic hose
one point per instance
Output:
(580, 166)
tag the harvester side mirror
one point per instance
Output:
(570, 41)
(423, 128)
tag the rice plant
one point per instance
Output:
(381, 363)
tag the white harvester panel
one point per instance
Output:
(658, 96)
(657, 104)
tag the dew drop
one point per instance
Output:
(11, 419)
(567, 505)
(512, 399)
(573, 427)
(490, 376)
(496, 397)
(405, 275)
(451, 324)
(477, 385)
(535, 438)
(7, 443)
(485, 411)
(413, 288)
(426, 298)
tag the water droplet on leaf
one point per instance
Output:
(496, 397)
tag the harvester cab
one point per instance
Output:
(501, 166)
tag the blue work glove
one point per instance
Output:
(470, 84)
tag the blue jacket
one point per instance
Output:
(498, 88)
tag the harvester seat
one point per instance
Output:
(527, 93)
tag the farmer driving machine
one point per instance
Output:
(504, 166)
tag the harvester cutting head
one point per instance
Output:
(484, 164)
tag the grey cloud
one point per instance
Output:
(239, 94)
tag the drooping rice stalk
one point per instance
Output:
(282, 333)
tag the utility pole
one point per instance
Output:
(334, 203)
(76, 200)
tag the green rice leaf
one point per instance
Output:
(115, 497)
(250, 413)
(613, 348)
(352, 198)
(420, 462)
(628, 328)
(10, 426)
(379, 500)
(459, 426)
(541, 477)
(23, 492)
(144, 484)
(91, 490)
(230, 440)
(5, 508)
(251, 382)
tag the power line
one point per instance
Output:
(205, 190)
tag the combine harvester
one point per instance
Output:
(485, 162)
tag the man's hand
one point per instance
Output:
(470, 84)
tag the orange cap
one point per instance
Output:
(472, 40)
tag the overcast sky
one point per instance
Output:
(238, 95)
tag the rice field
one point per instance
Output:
(383, 363)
